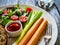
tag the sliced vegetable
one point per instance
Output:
(28, 19)
(31, 31)
(14, 17)
(18, 12)
(35, 38)
(34, 17)
(23, 18)
(5, 12)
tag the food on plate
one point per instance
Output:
(14, 17)
(13, 28)
(35, 15)
(5, 12)
(17, 21)
(13, 14)
(1, 11)
(23, 18)
(28, 9)
(4, 20)
(31, 31)
(10, 13)
(18, 12)
(35, 38)
(28, 19)
(3, 35)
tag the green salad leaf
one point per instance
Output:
(5, 20)
(1, 11)
(10, 13)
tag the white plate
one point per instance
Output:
(50, 19)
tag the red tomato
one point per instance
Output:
(28, 10)
(14, 17)
(23, 18)
(5, 12)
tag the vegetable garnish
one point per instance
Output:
(14, 17)
(31, 31)
(5, 12)
(10, 13)
(5, 20)
(28, 9)
(34, 17)
(28, 19)
(23, 18)
(1, 11)
(18, 12)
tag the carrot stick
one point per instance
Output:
(31, 32)
(35, 38)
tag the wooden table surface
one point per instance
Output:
(55, 11)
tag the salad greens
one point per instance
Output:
(5, 20)
(29, 16)
(1, 11)
(10, 13)
(18, 12)
(35, 15)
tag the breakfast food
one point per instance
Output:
(35, 38)
(31, 31)
(3, 36)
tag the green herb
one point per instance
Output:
(1, 11)
(10, 13)
(5, 20)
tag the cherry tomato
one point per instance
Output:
(5, 12)
(14, 17)
(23, 18)
(28, 10)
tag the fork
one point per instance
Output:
(48, 35)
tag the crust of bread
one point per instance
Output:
(3, 35)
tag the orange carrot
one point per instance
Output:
(31, 31)
(35, 38)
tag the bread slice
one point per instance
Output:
(3, 35)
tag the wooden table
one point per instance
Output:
(54, 11)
